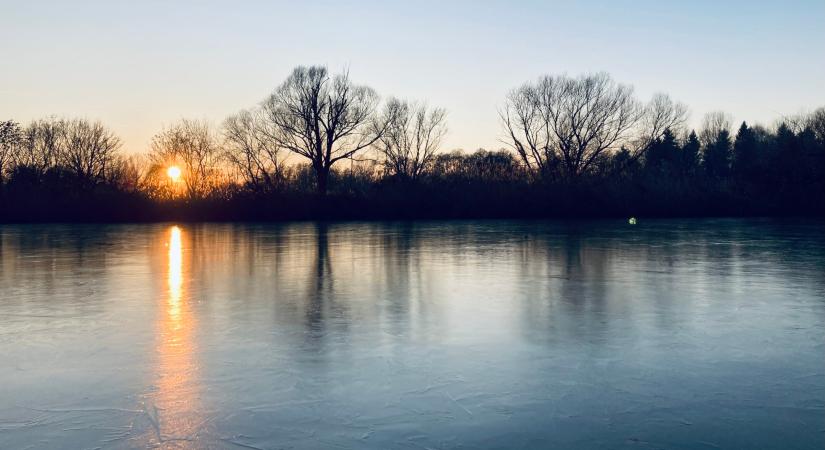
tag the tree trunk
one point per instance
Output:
(322, 178)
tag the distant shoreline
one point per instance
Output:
(359, 210)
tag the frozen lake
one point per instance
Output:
(669, 334)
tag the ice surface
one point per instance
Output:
(666, 334)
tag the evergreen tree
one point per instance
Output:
(787, 159)
(623, 165)
(670, 149)
(813, 155)
(654, 156)
(744, 162)
(717, 156)
(689, 160)
(663, 155)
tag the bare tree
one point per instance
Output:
(253, 151)
(569, 122)
(89, 149)
(712, 125)
(660, 114)
(193, 147)
(79, 146)
(412, 137)
(324, 119)
(815, 121)
(41, 145)
(10, 135)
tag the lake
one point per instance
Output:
(677, 334)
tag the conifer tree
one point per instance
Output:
(690, 154)
(744, 161)
(716, 158)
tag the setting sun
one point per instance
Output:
(173, 172)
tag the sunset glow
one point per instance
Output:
(175, 271)
(435, 224)
(176, 384)
(173, 172)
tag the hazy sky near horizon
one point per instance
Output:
(140, 65)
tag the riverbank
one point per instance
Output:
(406, 203)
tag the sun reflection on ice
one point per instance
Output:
(175, 273)
(173, 402)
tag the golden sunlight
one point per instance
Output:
(173, 401)
(173, 172)
(175, 272)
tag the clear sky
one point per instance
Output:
(139, 65)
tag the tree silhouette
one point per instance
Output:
(716, 157)
(661, 115)
(10, 134)
(689, 160)
(412, 137)
(580, 146)
(663, 155)
(744, 165)
(786, 154)
(323, 118)
(89, 149)
(192, 146)
(712, 124)
(573, 120)
(250, 147)
(41, 145)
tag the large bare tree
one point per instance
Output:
(89, 149)
(323, 118)
(193, 147)
(412, 137)
(252, 150)
(569, 122)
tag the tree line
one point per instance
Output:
(322, 146)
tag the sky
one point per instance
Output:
(141, 65)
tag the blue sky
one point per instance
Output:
(140, 65)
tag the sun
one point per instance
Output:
(173, 172)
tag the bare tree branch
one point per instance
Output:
(412, 137)
(324, 119)
(191, 145)
(567, 120)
